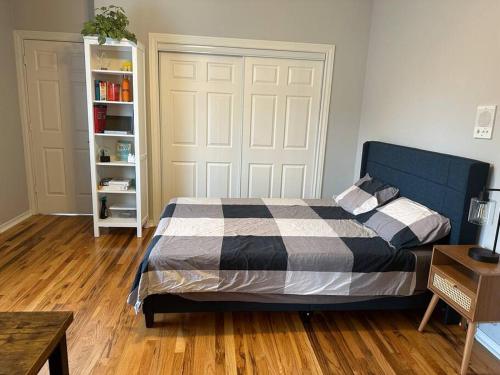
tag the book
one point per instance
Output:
(99, 118)
(120, 181)
(117, 132)
(113, 188)
(111, 183)
(115, 182)
(105, 181)
(102, 90)
(97, 87)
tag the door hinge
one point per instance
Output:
(24, 60)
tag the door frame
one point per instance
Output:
(159, 42)
(20, 36)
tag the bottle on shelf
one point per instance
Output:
(126, 89)
(104, 213)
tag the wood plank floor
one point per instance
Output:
(54, 263)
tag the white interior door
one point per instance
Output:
(55, 76)
(280, 126)
(201, 114)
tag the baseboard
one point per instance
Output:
(14, 221)
(488, 343)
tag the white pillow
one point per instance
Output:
(405, 223)
(365, 195)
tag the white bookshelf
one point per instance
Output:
(136, 198)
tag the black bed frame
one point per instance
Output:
(171, 303)
(444, 183)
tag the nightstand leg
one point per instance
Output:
(471, 331)
(428, 312)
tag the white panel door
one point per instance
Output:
(201, 115)
(280, 127)
(55, 76)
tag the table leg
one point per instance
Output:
(471, 331)
(428, 312)
(58, 360)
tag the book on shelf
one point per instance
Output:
(115, 184)
(113, 188)
(105, 181)
(117, 132)
(120, 181)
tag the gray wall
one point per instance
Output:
(430, 63)
(344, 23)
(13, 191)
(51, 15)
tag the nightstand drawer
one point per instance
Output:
(452, 291)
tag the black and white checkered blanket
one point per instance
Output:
(272, 246)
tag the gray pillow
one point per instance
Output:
(405, 223)
(365, 195)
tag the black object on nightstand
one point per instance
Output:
(480, 211)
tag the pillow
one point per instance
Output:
(405, 223)
(365, 195)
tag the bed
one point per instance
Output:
(276, 255)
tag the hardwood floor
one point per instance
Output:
(54, 263)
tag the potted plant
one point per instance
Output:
(109, 22)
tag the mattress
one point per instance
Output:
(255, 247)
(422, 254)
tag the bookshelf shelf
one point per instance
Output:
(114, 135)
(112, 72)
(112, 102)
(117, 222)
(122, 208)
(135, 198)
(116, 164)
(129, 191)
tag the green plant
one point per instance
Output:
(109, 22)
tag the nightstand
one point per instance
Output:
(472, 288)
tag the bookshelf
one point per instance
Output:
(128, 208)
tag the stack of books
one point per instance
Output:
(115, 184)
(107, 91)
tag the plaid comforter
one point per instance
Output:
(275, 246)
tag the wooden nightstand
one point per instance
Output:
(472, 288)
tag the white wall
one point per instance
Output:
(344, 23)
(13, 191)
(430, 64)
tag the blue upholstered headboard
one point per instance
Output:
(444, 183)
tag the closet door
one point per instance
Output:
(280, 126)
(201, 115)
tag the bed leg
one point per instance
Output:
(149, 317)
(305, 316)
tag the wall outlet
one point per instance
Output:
(485, 119)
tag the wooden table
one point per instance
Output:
(472, 288)
(28, 339)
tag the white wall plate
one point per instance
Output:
(485, 119)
